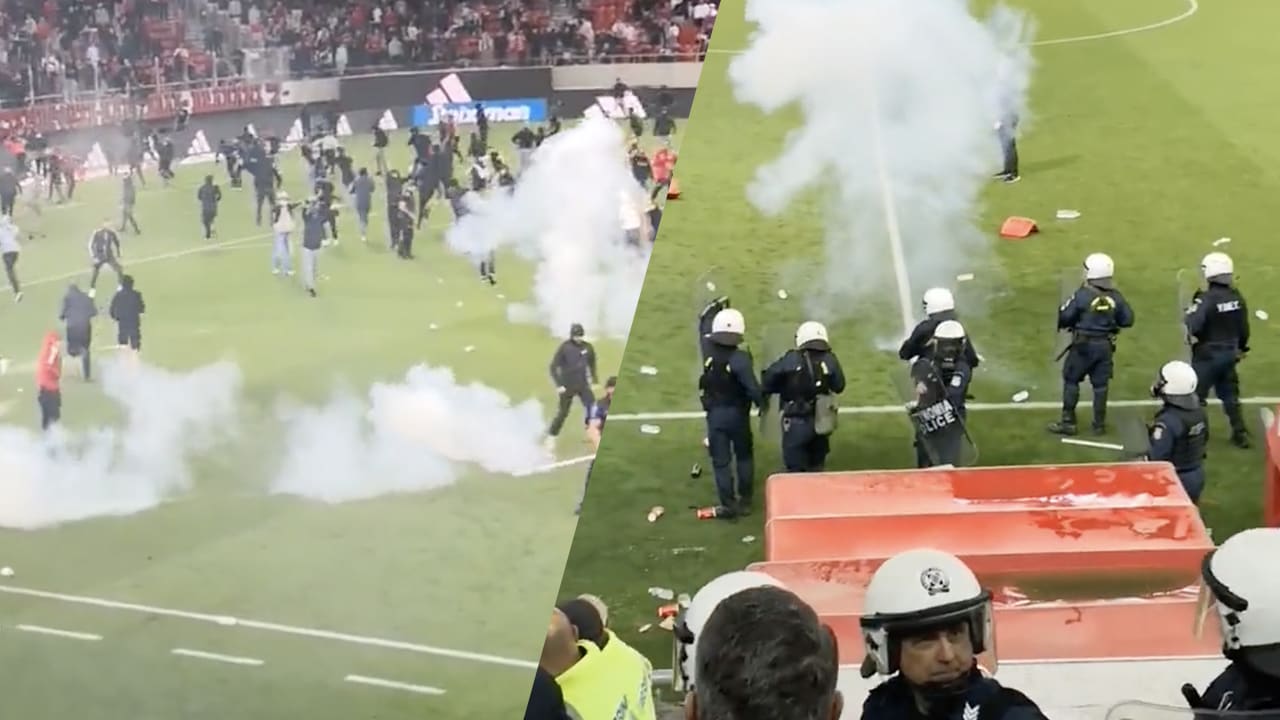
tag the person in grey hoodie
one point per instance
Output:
(78, 312)
(10, 249)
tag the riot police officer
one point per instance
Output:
(1218, 327)
(939, 306)
(1094, 315)
(728, 389)
(925, 621)
(940, 377)
(1247, 603)
(1181, 428)
(807, 381)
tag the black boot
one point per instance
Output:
(1065, 426)
(1100, 412)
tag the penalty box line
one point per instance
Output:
(226, 621)
(893, 409)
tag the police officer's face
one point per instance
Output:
(937, 656)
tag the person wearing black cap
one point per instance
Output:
(573, 370)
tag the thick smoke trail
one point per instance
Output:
(908, 96)
(409, 437)
(64, 476)
(567, 215)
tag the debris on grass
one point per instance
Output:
(650, 429)
(433, 326)
(6, 572)
(748, 539)
(648, 370)
(1068, 214)
(668, 624)
(656, 512)
(782, 294)
(687, 550)
(964, 277)
(1261, 314)
(1021, 396)
(711, 286)
(645, 628)
(458, 304)
(662, 593)
(1221, 241)
(683, 600)
(469, 348)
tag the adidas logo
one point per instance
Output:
(450, 90)
(608, 106)
(199, 145)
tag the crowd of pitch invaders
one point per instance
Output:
(252, 164)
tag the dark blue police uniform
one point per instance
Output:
(797, 378)
(1179, 437)
(982, 699)
(1095, 314)
(728, 389)
(1240, 689)
(1218, 320)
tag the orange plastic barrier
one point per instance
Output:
(1084, 561)
(1018, 228)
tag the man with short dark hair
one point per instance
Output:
(764, 654)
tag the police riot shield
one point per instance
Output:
(777, 338)
(939, 432)
(1139, 710)
(1188, 285)
(1069, 280)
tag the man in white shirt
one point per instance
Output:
(10, 249)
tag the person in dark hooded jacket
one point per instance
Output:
(78, 312)
(127, 308)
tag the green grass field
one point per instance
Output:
(1148, 134)
(387, 588)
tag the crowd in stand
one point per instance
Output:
(336, 37)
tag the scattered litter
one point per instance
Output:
(1261, 314)
(650, 429)
(645, 628)
(1021, 396)
(324, 277)
(981, 359)
(782, 294)
(695, 472)
(687, 550)
(648, 370)
(662, 593)
(657, 512)
(748, 539)
(669, 624)
(669, 611)
(458, 304)
(6, 572)
(683, 600)
(501, 296)
(469, 348)
(1221, 241)
(964, 277)
(433, 326)
(711, 286)
(1068, 214)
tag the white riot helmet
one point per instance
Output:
(1176, 379)
(1246, 597)
(949, 330)
(812, 334)
(1099, 266)
(916, 590)
(729, 321)
(938, 300)
(1217, 264)
(694, 617)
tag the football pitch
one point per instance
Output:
(1136, 125)
(227, 601)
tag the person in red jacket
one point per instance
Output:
(664, 164)
(49, 379)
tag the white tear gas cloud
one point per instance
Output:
(409, 437)
(907, 98)
(567, 215)
(66, 475)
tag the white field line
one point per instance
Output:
(129, 262)
(41, 630)
(231, 659)
(1193, 6)
(892, 229)
(554, 466)
(892, 409)
(227, 621)
(379, 682)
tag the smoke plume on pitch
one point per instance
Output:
(413, 436)
(567, 215)
(67, 475)
(907, 97)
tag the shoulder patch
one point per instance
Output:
(1157, 432)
